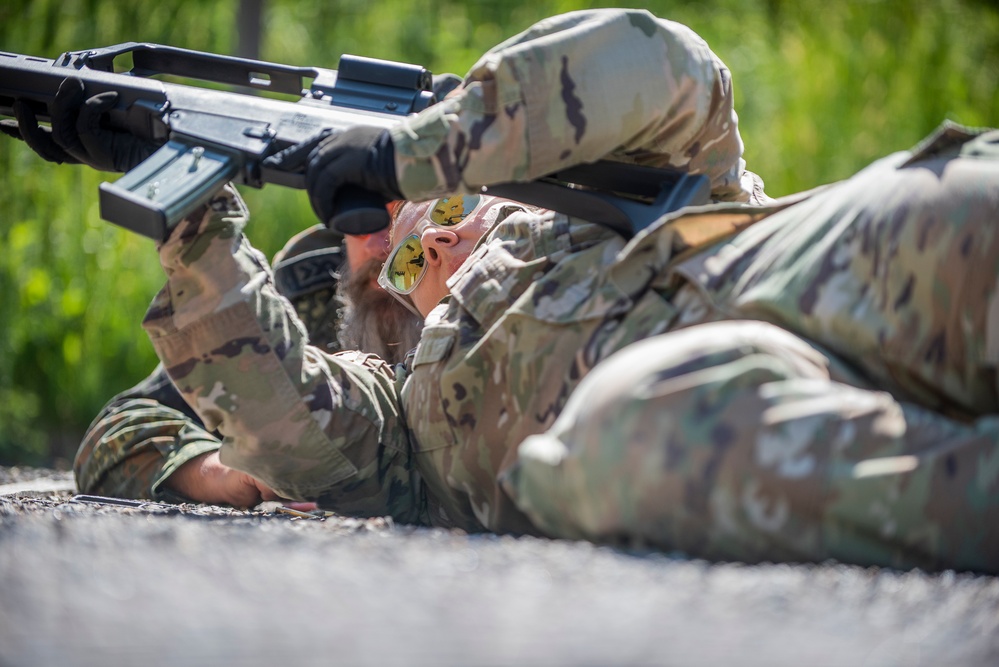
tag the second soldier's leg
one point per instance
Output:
(731, 441)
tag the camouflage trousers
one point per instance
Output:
(833, 397)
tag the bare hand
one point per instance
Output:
(206, 479)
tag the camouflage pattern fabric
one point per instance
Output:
(699, 126)
(140, 438)
(870, 434)
(144, 434)
(575, 88)
(308, 424)
(307, 458)
(794, 436)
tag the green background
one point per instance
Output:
(822, 88)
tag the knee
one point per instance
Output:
(650, 424)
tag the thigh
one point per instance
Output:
(730, 441)
(895, 270)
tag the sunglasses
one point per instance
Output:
(405, 267)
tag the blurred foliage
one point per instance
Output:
(822, 89)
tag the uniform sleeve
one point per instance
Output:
(140, 438)
(309, 425)
(572, 89)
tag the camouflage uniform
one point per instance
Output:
(864, 426)
(144, 434)
(849, 419)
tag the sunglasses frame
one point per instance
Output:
(383, 276)
(384, 279)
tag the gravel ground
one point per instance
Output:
(85, 583)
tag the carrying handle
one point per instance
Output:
(152, 59)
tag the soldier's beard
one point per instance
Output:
(373, 321)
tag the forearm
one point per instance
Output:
(134, 446)
(290, 416)
(574, 89)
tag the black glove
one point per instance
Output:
(76, 136)
(38, 138)
(349, 175)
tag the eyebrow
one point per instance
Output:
(393, 224)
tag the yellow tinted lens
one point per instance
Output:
(451, 211)
(406, 265)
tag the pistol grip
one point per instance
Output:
(158, 193)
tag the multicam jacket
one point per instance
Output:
(147, 432)
(426, 441)
(861, 427)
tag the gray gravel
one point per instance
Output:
(93, 584)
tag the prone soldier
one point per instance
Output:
(799, 379)
(148, 443)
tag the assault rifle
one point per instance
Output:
(210, 137)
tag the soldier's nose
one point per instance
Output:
(435, 240)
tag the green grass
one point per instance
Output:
(821, 88)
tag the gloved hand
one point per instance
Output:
(39, 139)
(76, 136)
(349, 175)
